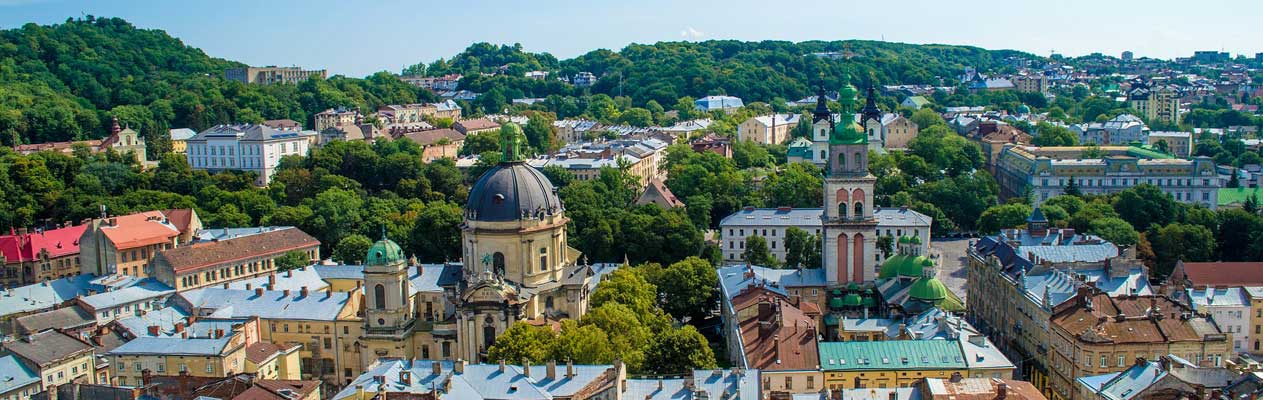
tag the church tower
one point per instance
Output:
(821, 126)
(849, 225)
(388, 316)
(870, 119)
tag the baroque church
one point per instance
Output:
(849, 225)
(517, 267)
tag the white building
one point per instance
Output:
(1120, 130)
(771, 224)
(768, 129)
(1229, 308)
(247, 147)
(721, 103)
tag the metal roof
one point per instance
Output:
(232, 303)
(891, 355)
(144, 290)
(148, 345)
(15, 375)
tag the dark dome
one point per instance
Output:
(507, 191)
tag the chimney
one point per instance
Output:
(526, 368)
(285, 293)
(249, 286)
(551, 370)
(502, 366)
(893, 395)
(153, 330)
(1001, 390)
(219, 333)
(302, 292)
(225, 285)
(569, 368)
(289, 274)
(258, 291)
(271, 280)
(405, 376)
(436, 368)
(329, 293)
(459, 366)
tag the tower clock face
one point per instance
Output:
(381, 321)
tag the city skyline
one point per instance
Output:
(378, 37)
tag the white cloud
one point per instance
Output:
(690, 33)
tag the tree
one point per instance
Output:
(1237, 231)
(479, 143)
(628, 288)
(1071, 204)
(757, 253)
(1116, 231)
(1003, 216)
(352, 249)
(678, 351)
(582, 344)
(291, 260)
(1233, 180)
(1072, 188)
(539, 132)
(798, 185)
(688, 288)
(1047, 134)
(523, 342)
(925, 118)
(1179, 242)
(797, 244)
(885, 244)
(1082, 220)
(632, 336)
(436, 232)
(1092, 151)
(1145, 205)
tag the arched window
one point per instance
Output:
(859, 209)
(859, 162)
(841, 161)
(823, 155)
(842, 210)
(379, 297)
(488, 333)
(497, 263)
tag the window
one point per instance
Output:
(1122, 361)
(379, 297)
(447, 349)
(1102, 361)
(543, 258)
(137, 366)
(811, 382)
(328, 343)
(789, 383)
(161, 366)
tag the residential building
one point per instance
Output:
(642, 158)
(575, 130)
(726, 104)
(982, 358)
(87, 391)
(335, 117)
(772, 334)
(219, 354)
(993, 142)
(1228, 307)
(56, 357)
(1179, 144)
(476, 126)
(889, 363)
(915, 102)
(442, 380)
(656, 192)
(17, 382)
(125, 244)
(405, 114)
(1093, 333)
(180, 138)
(977, 389)
(44, 296)
(242, 386)
(1018, 277)
(1118, 131)
(897, 131)
(1168, 376)
(121, 140)
(1160, 103)
(136, 299)
(247, 147)
(437, 143)
(719, 145)
(443, 83)
(38, 256)
(1032, 83)
(768, 129)
(212, 263)
(1217, 274)
(73, 320)
(583, 79)
(807, 285)
(1047, 170)
(771, 224)
(271, 75)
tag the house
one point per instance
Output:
(57, 357)
(475, 126)
(713, 143)
(915, 102)
(242, 386)
(656, 192)
(213, 263)
(125, 244)
(248, 147)
(583, 79)
(718, 103)
(437, 143)
(179, 139)
(768, 129)
(17, 381)
(1217, 274)
(1168, 376)
(42, 255)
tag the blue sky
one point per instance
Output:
(358, 38)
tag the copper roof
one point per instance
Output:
(1220, 273)
(211, 254)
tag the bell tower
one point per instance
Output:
(849, 225)
(388, 312)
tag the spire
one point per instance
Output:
(114, 129)
(870, 110)
(822, 107)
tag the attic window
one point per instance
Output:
(497, 199)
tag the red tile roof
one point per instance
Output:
(475, 124)
(180, 218)
(27, 247)
(1219, 273)
(210, 254)
(261, 351)
(786, 342)
(140, 229)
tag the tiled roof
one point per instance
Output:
(211, 254)
(1101, 323)
(980, 389)
(891, 355)
(778, 336)
(475, 124)
(426, 138)
(1222, 273)
(180, 218)
(261, 351)
(15, 375)
(140, 229)
(47, 347)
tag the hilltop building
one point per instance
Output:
(272, 75)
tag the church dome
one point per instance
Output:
(384, 252)
(851, 300)
(903, 265)
(510, 190)
(928, 289)
(848, 132)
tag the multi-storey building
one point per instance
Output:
(1045, 172)
(125, 244)
(642, 158)
(1160, 103)
(219, 353)
(1118, 131)
(271, 75)
(435, 83)
(335, 117)
(1093, 333)
(20, 382)
(771, 224)
(1019, 276)
(1227, 307)
(1179, 144)
(1168, 376)
(40, 256)
(248, 147)
(211, 263)
(57, 358)
(1032, 83)
(771, 333)
(889, 363)
(768, 129)
(405, 114)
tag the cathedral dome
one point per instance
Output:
(903, 265)
(384, 252)
(509, 191)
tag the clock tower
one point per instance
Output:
(849, 225)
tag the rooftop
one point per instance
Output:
(1096, 317)
(810, 217)
(15, 375)
(47, 347)
(1219, 274)
(211, 254)
(891, 355)
(16, 248)
(233, 303)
